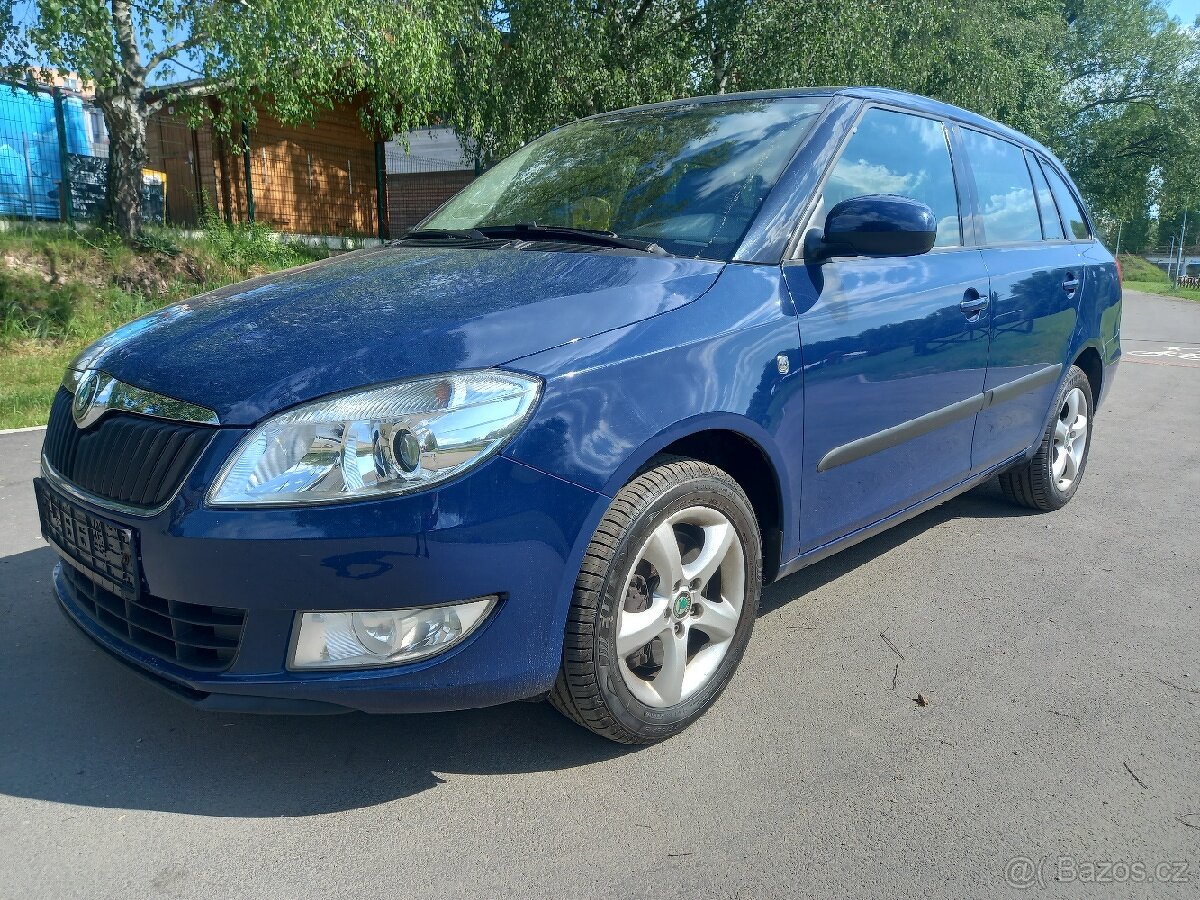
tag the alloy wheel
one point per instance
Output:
(683, 600)
(1070, 439)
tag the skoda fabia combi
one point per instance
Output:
(554, 441)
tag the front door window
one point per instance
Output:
(897, 153)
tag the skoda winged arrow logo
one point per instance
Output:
(683, 603)
(91, 397)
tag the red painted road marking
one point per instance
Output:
(1179, 364)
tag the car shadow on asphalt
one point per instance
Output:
(984, 502)
(76, 728)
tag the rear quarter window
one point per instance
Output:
(1072, 214)
(1052, 229)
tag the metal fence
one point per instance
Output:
(323, 179)
(401, 163)
(54, 158)
(39, 132)
(1175, 265)
(425, 168)
(172, 161)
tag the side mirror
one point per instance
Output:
(878, 225)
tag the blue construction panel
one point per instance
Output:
(77, 137)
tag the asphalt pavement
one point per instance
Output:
(1059, 656)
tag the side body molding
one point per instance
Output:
(906, 431)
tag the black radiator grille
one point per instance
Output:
(194, 636)
(129, 459)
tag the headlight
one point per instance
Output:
(388, 440)
(388, 637)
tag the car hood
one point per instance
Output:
(379, 315)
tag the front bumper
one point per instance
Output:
(502, 529)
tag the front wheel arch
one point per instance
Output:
(748, 454)
(592, 688)
(750, 466)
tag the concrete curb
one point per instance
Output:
(22, 430)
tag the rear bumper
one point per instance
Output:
(505, 529)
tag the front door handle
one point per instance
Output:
(1071, 285)
(973, 303)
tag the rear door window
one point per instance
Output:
(1052, 229)
(1004, 189)
(897, 153)
(1069, 206)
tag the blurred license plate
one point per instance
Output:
(102, 550)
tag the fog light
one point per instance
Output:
(388, 637)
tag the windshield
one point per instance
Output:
(689, 178)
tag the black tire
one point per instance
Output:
(1032, 483)
(590, 688)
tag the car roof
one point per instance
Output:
(915, 102)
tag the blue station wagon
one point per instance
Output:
(553, 442)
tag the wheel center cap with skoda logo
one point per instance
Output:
(683, 604)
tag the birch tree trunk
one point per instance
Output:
(126, 117)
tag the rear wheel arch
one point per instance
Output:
(1093, 367)
(1047, 479)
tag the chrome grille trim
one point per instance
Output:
(108, 394)
(125, 463)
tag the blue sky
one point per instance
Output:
(25, 11)
(1185, 10)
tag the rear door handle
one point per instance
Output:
(973, 303)
(1071, 285)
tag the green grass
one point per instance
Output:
(29, 376)
(1163, 288)
(1134, 268)
(61, 289)
(1139, 275)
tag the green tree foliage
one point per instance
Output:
(1112, 86)
(561, 60)
(1137, 235)
(1126, 123)
(985, 55)
(400, 59)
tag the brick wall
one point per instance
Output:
(413, 196)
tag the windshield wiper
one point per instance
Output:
(532, 231)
